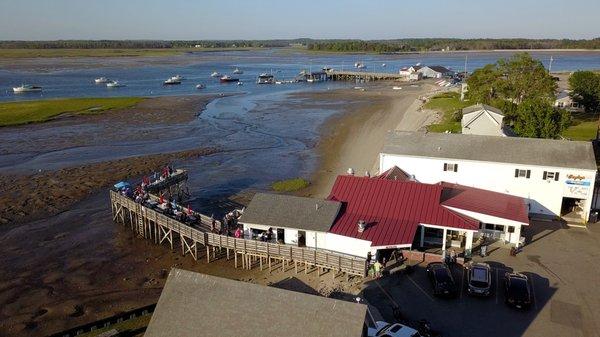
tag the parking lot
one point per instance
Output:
(561, 263)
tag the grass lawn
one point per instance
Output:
(449, 104)
(581, 131)
(101, 52)
(290, 185)
(15, 113)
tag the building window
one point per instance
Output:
(522, 173)
(550, 175)
(450, 167)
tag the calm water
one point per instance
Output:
(147, 81)
(262, 138)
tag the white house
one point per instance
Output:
(482, 119)
(434, 71)
(299, 221)
(564, 101)
(556, 177)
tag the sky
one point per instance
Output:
(271, 19)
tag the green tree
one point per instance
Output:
(585, 89)
(483, 84)
(525, 78)
(537, 118)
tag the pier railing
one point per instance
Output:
(157, 226)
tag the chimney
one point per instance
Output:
(361, 226)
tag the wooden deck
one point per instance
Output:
(193, 239)
(336, 75)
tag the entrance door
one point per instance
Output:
(301, 239)
(280, 235)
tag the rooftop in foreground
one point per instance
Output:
(510, 150)
(193, 304)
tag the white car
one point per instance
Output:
(384, 329)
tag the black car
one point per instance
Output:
(441, 279)
(517, 290)
(479, 279)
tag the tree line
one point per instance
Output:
(417, 45)
(377, 46)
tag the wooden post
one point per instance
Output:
(269, 264)
(260, 263)
(207, 255)
(296, 266)
(235, 258)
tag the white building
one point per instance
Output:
(483, 120)
(434, 71)
(556, 177)
(564, 101)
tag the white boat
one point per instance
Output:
(397, 88)
(384, 65)
(200, 86)
(177, 78)
(215, 74)
(361, 66)
(240, 83)
(237, 71)
(265, 78)
(27, 88)
(172, 81)
(114, 84)
(101, 80)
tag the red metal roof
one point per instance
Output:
(394, 173)
(485, 202)
(392, 209)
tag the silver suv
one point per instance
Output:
(479, 279)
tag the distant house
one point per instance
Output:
(564, 101)
(406, 71)
(434, 71)
(193, 304)
(482, 119)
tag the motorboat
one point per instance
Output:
(215, 74)
(27, 88)
(200, 86)
(172, 81)
(227, 79)
(384, 65)
(114, 84)
(101, 80)
(240, 83)
(361, 66)
(238, 71)
(396, 88)
(265, 78)
(177, 78)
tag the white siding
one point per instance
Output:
(545, 197)
(348, 245)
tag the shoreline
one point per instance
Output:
(353, 139)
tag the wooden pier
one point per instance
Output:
(194, 239)
(336, 75)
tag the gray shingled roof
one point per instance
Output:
(479, 107)
(277, 210)
(193, 304)
(515, 150)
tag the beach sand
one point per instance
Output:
(355, 138)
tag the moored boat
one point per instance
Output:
(114, 84)
(227, 79)
(237, 71)
(265, 78)
(177, 78)
(200, 86)
(215, 74)
(172, 81)
(27, 88)
(101, 80)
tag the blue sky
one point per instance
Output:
(267, 19)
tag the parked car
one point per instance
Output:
(479, 279)
(441, 279)
(384, 329)
(517, 290)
